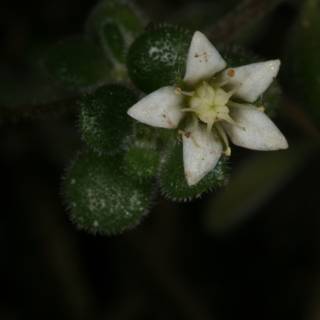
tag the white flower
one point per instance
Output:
(214, 104)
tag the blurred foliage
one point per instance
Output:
(265, 262)
(115, 24)
(302, 56)
(251, 185)
(78, 64)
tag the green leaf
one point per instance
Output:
(101, 198)
(251, 185)
(115, 24)
(28, 90)
(78, 64)
(302, 67)
(114, 41)
(158, 57)
(104, 123)
(24, 94)
(172, 179)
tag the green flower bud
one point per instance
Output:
(173, 183)
(104, 123)
(158, 57)
(77, 64)
(101, 198)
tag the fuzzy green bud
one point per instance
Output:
(101, 198)
(104, 123)
(157, 58)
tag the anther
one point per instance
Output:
(227, 152)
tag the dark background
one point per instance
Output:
(172, 266)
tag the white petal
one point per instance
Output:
(254, 130)
(203, 59)
(161, 108)
(251, 80)
(201, 152)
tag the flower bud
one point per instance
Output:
(104, 123)
(157, 58)
(101, 198)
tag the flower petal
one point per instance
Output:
(161, 108)
(203, 59)
(254, 130)
(251, 80)
(201, 152)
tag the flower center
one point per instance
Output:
(209, 103)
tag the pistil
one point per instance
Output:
(209, 103)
